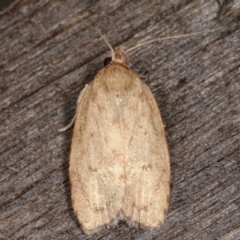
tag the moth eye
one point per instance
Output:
(107, 61)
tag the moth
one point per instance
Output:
(119, 160)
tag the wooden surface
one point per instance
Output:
(47, 55)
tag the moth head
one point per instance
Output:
(118, 56)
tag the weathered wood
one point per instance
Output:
(48, 54)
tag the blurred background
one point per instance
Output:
(5, 3)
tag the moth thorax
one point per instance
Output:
(119, 56)
(118, 78)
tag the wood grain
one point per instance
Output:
(48, 54)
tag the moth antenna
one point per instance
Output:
(171, 37)
(100, 34)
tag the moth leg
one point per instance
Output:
(63, 129)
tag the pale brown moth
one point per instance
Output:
(119, 160)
